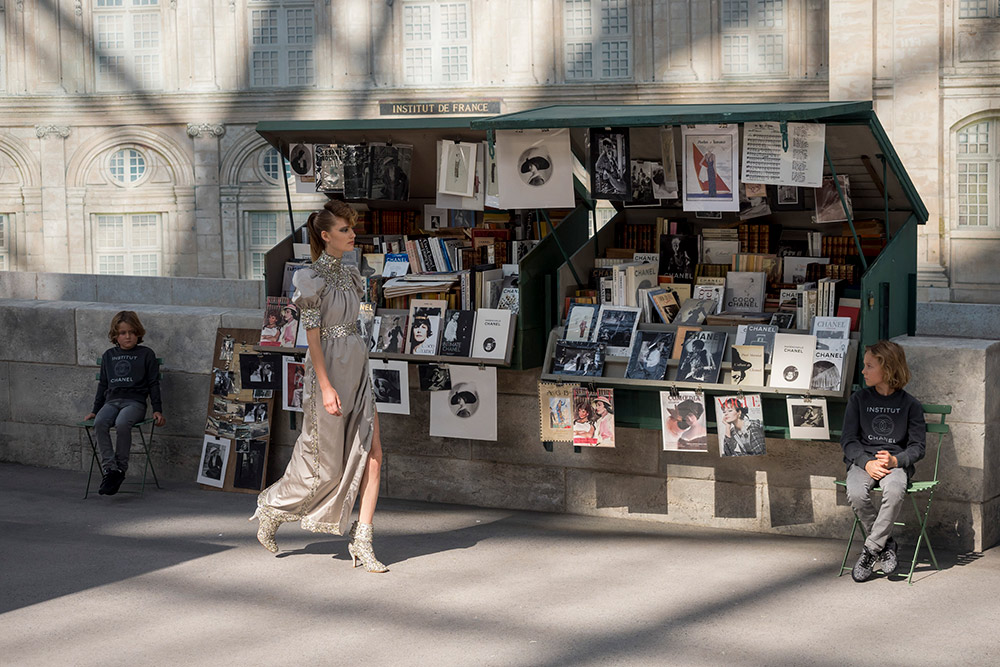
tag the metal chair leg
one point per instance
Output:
(922, 537)
(850, 543)
(93, 459)
(149, 456)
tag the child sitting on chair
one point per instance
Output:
(884, 435)
(129, 374)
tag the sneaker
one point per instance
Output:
(107, 481)
(888, 558)
(863, 568)
(117, 477)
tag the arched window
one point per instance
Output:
(127, 166)
(976, 175)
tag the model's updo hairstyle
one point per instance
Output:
(324, 220)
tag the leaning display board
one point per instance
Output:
(240, 411)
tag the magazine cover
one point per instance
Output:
(556, 411)
(392, 333)
(807, 418)
(701, 356)
(578, 358)
(740, 422)
(683, 416)
(279, 315)
(593, 417)
(650, 355)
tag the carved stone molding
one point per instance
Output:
(42, 131)
(78, 7)
(213, 129)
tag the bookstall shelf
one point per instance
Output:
(537, 269)
(881, 191)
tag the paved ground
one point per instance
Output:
(176, 578)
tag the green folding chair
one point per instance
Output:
(940, 429)
(95, 458)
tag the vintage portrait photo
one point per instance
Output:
(356, 171)
(260, 371)
(701, 356)
(610, 161)
(434, 217)
(433, 377)
(650, 355)
(391, 386)
(807, 418)
(615, 327)
(593, 417)
(223, 382)
(389, 168)
(293, 378)
(556, 412)
(581, 321)
(300, 158)
(457, 171)
(578, 358)
(740, 421)
(456, 334)
(668, 166)
(214, 459)
(329, 168)
(642, 183)
(469, 408)
(226, 351)
(684, 425)
(828, 205)
(786, 197)
(254, 413)
(248, 468)
(534, 168)
(392, 334)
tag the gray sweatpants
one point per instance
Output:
(878, 522)
(123, 414)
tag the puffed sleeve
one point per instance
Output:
(359, 282)
(308, 295)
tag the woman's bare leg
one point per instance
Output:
(370, 480)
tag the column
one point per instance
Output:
(55, 230)
(208, 224)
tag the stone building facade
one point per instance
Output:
(126, 126)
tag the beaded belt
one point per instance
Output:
(340, 331)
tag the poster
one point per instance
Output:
(668, 188)
(534, 169)
(469, 409)
(593, 417)
(768, 159)
(684, 426)
(711, 157)
(556, 412)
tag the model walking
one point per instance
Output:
(338, 454)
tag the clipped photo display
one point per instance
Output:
(469, 408)
(593, 417)
(555, 403)
(740, 421)
(807, 418)
(684, 423)
(534, 169)
(391, 386)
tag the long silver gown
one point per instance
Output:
(322, 479)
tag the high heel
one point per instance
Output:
(265, 532)
(360, 548)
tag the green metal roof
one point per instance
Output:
(639, 115)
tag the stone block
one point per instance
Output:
(66, 287)
(990, 534)
(735, 500)
(241, 318)
(961, 466)
(691, 500)
(959, 320)
(217, 293)
(47, 445)
(50, 394)
(37, 331)
(410, 434)
(183, 336)
(611, 494)
(961, 382)
(518, 382)
(185, 403)
(18, 285)
(175, 457)
(4, 391)
(122, 291)
(479, 483)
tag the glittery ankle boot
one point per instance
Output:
(360, 548)
(265, 532)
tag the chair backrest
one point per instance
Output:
(940, 428)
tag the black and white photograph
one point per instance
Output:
(434, 217)
(616, 326)
(469, 409)
(740, 422)
(701, 356)
(254, 413)
(226, 352)
(460, 217)
(355, 171)
(667, 166)
(293, 377)
(389, 172)
(391, 386)
(650, 355)
(534, 168)
(578, 358)
(223, 382)
(261, 394)
(260, 371)
(783, 320)
(433, 377)
(329, 168)
(227, 429)
(212, 425)
(457, 171)
(214, 459)
(300, 158)
(786, 197)
(610, 160)
(642, 183)
(694, 311)
(828, 205)
(392, 334)
(456, 334)
(679, 255)
(248, 468)
(807, 418)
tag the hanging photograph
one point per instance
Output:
(753, 205)
(457, 170)
(392, 337)
(616, 327)
(214, 459)
(226, 351)
(578, 358)
(650, 355)
(491, 176)
(534, 169)
(329, 168)
(248, 471)
(701, 356)
(389, 168)
(684, 425)
(740, 421)
(593, 417)
(786, 197)
(456, 335)
(391, 386)
(300, 158)
(807, 419)
(271, 329)
(223, 382)
(668, 166)
(293, 379)
(711, 155)
(474, 202)
(355, 171)
(260, 371)
(556, 412)
(828, 205)
(610, 160)
(642, 183)
(469, 409)
(433, 377)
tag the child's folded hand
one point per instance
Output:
(159, 419)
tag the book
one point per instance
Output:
(718, 251)
(396, 264)
(791, 365)
(681, 291)
(744, 292)
(616, 327)
(679, 255)
(638, 276)
(456, 333)
(664, 304)
(694, 311)
(392, 332)
(828, 364)
(581, 321)
(578, 358)
(783, 320)
(701, 356)
(828, 329)
(510, 299)
(712, 292)
(492, 336)
(424, 325)
(851, 309)
(747, 365)
(710, 280)
(376, 325)
(679, 340)
(795, 268)
(757, 334)
(650, 355)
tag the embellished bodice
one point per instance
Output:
(328, 293)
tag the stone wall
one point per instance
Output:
(47, 380)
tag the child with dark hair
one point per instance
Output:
(130, 374)
(884, 435)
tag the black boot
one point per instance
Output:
(117, 477)
(107, 482)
